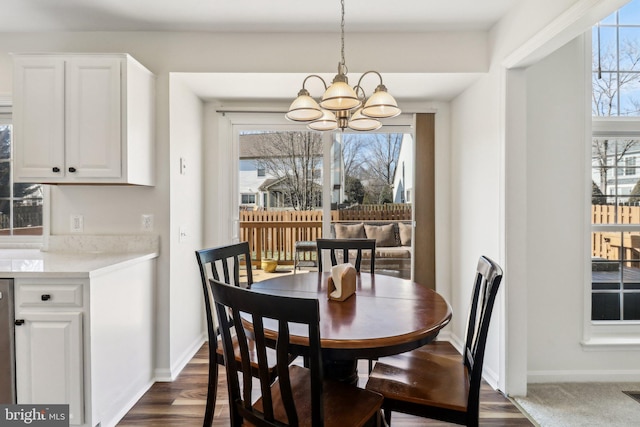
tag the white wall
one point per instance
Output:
(186, 223)
(489, 124)
(558, 146)
(475, 203)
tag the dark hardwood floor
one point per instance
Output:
(181, 402)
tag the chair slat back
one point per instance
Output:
(214, 263)
(345, 246)
(487, 281)
(224, 262)
(276, 311)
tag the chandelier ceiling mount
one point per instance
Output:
(341, 105)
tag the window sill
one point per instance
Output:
(610, 344)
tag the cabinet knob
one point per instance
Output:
(45, 297)
(19, 322)
(56, 169)
(72, 169)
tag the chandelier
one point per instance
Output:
(341, 105)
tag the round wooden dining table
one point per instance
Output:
(386, 315)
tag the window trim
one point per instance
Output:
(21, 241)
(607, 335)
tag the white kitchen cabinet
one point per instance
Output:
(49, 361)
(83, 119)
(50, 345)
(86, 341)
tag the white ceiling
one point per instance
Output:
(249, 15)
(267, 16)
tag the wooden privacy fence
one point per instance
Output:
(273, 234)
(616, 246)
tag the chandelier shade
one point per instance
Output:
(327, 121)
(304, 108)
(341, 105)
(381, 105)
(340, 96)
(363, 123)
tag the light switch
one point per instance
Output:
(183, 166)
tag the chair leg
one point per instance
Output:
(387, 417)
(212, 391)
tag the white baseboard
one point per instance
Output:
(124, 407)
(578, 376)
(168, 375)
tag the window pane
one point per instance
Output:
(605, 306)
(5, 217)
(628, 14)
(629, 94)
(631, 306)
(608, 59)
(5, 142)
(27, 217)
(629, 48)
(605, 99)
(5, 189)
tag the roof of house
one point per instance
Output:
(250, 145)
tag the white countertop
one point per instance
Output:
(15, 263)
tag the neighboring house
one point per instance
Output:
(403, 181)
(260, 189)
(623, 172)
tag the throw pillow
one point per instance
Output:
(405, 233)
(350, 231)
(383, 234)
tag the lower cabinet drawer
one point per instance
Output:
(49, 295)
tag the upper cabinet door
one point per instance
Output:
(83, 119)
(39, 117)
(93, 118)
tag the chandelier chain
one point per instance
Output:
(342, 32)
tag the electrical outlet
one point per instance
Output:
(147, 222)
(77, 223)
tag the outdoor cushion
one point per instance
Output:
(350, 231)
(405, 233)
(397, 252)
(384, 234)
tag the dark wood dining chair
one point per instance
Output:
(348, 248)
(425, 383)
(224, 263)
(299, 396)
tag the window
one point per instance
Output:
(248, 199)
(616, 69)
(20, 204)
(262, 171)
(615, 237)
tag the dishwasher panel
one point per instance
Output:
(7, 344)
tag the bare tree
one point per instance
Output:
(354, 154)
(605, 100)
(294, 160)
(382, 164)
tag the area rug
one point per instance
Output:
(582, 404)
